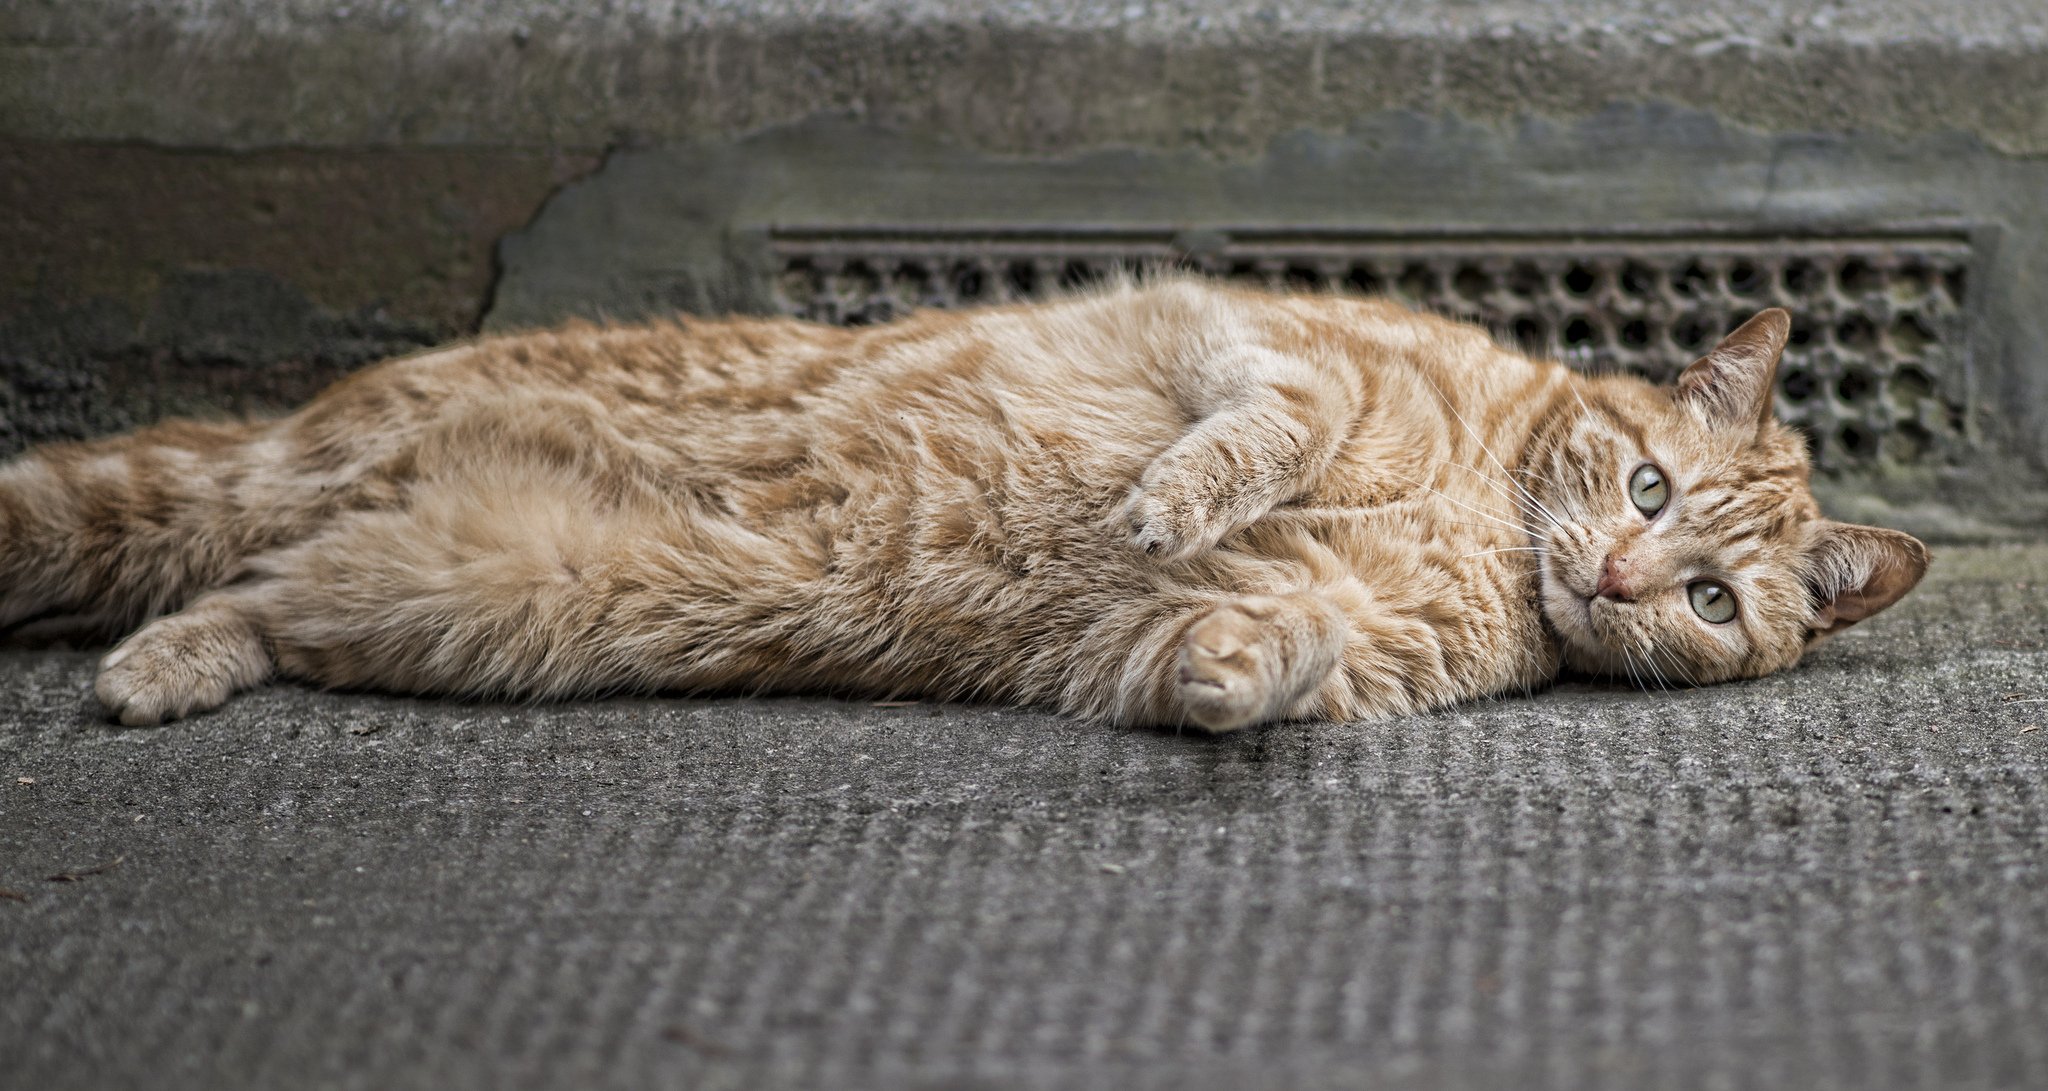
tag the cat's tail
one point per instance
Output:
(97, 537)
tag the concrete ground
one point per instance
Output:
(1829, 879)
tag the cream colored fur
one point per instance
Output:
(1160, 503)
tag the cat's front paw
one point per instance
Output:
(1227, 674)
(1170, 524)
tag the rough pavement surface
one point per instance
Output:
(1829, 879)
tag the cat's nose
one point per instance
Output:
(1614, 574)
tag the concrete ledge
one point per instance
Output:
(143, 282)
(1029, 77)
(406, 231)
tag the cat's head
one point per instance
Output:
(1678, 537)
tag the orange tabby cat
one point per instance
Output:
(1168, 503)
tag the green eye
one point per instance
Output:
(1648, 490)
(1712, 601)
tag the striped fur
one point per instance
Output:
(1158, 503)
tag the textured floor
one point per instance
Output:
(1830, 879)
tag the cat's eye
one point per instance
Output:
(1648, 490)
(1712, 601)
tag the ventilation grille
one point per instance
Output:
(1874, 374)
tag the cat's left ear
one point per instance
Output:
(1731, 386)
(1855, 571)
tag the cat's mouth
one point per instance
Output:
(1563, 602)
(1569, 610)
(1593, 643)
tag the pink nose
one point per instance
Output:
(1614, 579)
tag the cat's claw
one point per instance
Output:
(1170, 532)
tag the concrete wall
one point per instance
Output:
(221, 205)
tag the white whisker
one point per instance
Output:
(1681, 670)
(1650, 665)
(1463, 523)
(1521, 497)
(1639, 674)
(1519, 529)
(1509, 474)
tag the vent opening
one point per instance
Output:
(1873, 371)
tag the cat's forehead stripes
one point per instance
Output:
(1608, 423)
(1736, 510)
(1748, 493)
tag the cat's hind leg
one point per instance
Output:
(186, 662)
(511, 576)
(1256, 659)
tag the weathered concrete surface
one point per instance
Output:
(142, 282)
(1033, 76)
(1835, 878)
(408, 233)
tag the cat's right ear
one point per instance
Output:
(1855, 571)
(1731, 386)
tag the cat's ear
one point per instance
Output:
(1731, 386)
(1855, 571)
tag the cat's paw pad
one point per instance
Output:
(1226, 681)
(1167, 527)
(174, 668)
